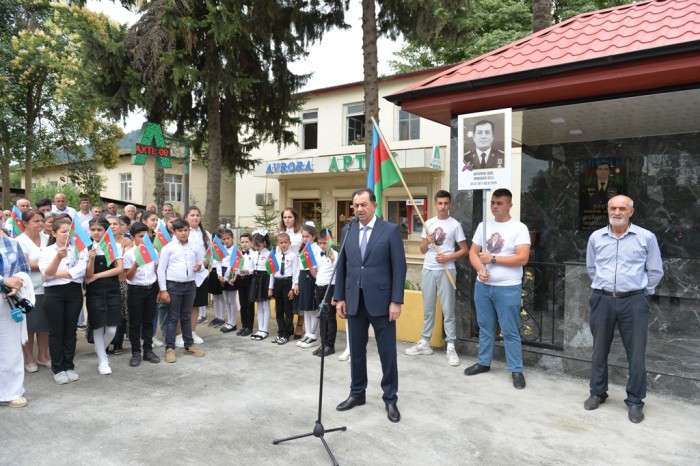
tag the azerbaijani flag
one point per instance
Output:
(307, 257)
(109, 246)
(329, 235)
(162, 236)
(207, 254)
(271, 263)
(15, 221)
(218, 249)
(79, 237)
(236, 262)
(145, 253)
(381, 172)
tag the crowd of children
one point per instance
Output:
(134, 277)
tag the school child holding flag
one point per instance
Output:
(163, 235)
(102, 292)
(262, 265)
(226, 276)
(199, 239)
(63, 270)
(281, 283)
(219, 253)
(243, 283)
(142, 293)
(306, 286)
(324, 272)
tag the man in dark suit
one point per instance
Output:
(484, 155)
(369, 284)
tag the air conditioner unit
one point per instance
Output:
(263, 199)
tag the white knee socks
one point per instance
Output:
(103, 337)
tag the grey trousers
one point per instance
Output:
(435, 283)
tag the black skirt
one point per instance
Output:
(214, 283)
(307, 289)
(103, 298)
(259, 286)
(201, 298)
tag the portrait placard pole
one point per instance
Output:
(485, 193)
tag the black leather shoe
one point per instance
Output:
(350, 403)
(245, 332)
(135, 359)
(317, 351)
(150, 356)
(476, 369)
(518, 380)
(593, 402)
(392, 412)
(325, 351)
(636, 414)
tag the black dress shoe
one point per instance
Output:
(317, 351)
(476, 369)
(593, 402)
(518, 380)
(245, 332)
(150, 356)
(392, 412)
(350, 403)
(325, 351)
(226, 329)
(636, 414)
(135, 359)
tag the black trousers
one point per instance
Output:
(63, 304)
(631, 314)
(247, 308)
(284, 311)
(329, 327)
(385, 334)
(142, 309)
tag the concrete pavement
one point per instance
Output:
(227, 407)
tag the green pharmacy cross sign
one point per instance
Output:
(152, 143)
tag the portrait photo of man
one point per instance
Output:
(484, 153)
(601, 180)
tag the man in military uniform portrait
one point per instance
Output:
(484, 155)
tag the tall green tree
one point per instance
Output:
(223, 68)
(48, 99)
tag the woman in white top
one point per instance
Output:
(63, 296)
(290, 223)
(32, 243)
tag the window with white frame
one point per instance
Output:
(355, 124)
(125, 186)
(409, 126)
(173, 188)
(309, 129)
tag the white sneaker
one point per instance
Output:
(197, 339)
(419, 348)
(72, 376)
(157, 343)
(104, 368)
(452, 358)
(179, 342)
(345, 356)
(302, 341)
(310, 343)
(61, 378)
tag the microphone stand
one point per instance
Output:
(319, 430)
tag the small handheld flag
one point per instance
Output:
(271, 264)
(15, 221)
(162, 236)
(236, 262)
(307, 257)
(109, 246)
(218, 249)
(145, 253)
(80, 237)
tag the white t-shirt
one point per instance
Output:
(33, 252)
(447, 233)
(502, 238)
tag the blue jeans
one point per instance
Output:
(502, 303)
(180, 308)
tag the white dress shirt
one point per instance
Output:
(176, 264)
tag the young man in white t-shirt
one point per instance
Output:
(440, 257)
(498, 290)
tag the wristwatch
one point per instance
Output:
(493, 259)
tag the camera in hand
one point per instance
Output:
(19, 305)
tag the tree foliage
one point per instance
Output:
(50, 99)
(486, 26)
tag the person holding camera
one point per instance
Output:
(14, 273)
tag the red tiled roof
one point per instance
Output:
(581, 42)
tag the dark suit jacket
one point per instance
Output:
(382, 273)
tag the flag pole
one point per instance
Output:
(415, 207)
